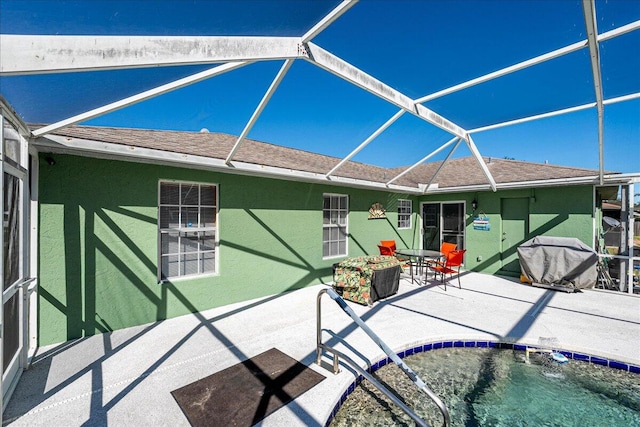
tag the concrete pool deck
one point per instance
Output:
(125, 377)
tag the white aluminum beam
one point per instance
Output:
(531, 62)
(337, 12)
(555, 113)
(433, 177)
(346, 71)
(483, 165)
(532, 118)
(373, 136)
(140, 97)
(508, 70)
(263, 103)
(37, 54)
(589, 9)
(424, 159)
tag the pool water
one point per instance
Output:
(492, 387)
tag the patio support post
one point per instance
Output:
(626, 240)
(589, 9)
(2, 255)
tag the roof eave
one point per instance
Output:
(107, 150)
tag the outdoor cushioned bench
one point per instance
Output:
(367, 279)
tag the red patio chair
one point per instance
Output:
(451, 266)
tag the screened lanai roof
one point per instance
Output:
(390, 84)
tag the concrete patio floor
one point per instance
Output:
(125, 377)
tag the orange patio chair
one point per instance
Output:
(451, 266)
(388, 247)
(386, 250)
(391, 244)
(445, 248)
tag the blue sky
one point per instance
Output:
(417, 47)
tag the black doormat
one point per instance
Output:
(244, 394)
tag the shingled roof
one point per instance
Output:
(459, 172)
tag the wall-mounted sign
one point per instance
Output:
(481, 222)
(376, 211)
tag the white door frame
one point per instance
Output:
(441, 202)
(9, 379)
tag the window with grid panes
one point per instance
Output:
(404, 213)
(187, 222)
(334, 225)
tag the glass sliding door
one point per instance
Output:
(453, 224)
(443, 222)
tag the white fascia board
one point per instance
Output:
(337, 66)
(78, 146)
(38, 54)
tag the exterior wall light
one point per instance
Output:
(474, 205)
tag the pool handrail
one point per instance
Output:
(390, 353)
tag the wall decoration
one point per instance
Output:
(481, 222)
(376, 211)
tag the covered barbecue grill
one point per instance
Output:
(558, 262)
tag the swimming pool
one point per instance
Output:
(491, 385)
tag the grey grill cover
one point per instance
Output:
(564, 261)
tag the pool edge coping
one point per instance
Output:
(411, 350)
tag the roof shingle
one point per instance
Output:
(456, 172)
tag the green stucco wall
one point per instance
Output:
(98, 242)
(98, 239)
(553, 211)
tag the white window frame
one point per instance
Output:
(332, 222)
(404, 216)
(184, 230)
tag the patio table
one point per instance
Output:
(420, 255)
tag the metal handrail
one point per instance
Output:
(393, 356)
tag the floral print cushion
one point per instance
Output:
(352, 277)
